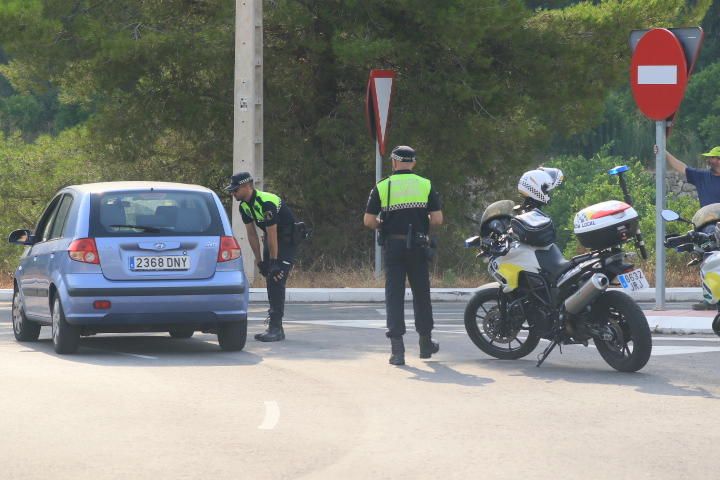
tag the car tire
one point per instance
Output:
(66, 337)
(232, 335)
(25, 330)
(181, 332)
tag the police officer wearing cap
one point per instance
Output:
(276, 220)
(404, 206)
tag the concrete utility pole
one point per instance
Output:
(248, 118)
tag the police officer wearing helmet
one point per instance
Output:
(404, 206)
(276, 220)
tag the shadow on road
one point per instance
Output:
(649, 383)
(442, 373)
(147, 351)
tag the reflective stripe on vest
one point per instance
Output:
(257, 210)
(406, 191)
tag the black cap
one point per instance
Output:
(238, 179)
(403, 153)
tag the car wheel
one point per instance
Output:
(66, 337)
(182, 332)
(232, 335)
(25, 330)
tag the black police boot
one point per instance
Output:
(398, 351)
(272, 334)
(427, 346)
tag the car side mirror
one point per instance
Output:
(21, 237)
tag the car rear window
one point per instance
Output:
(154, 213)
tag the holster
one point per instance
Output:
(300, 233)
(381, 237)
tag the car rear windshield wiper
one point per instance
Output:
(144, 228)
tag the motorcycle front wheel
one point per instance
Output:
(493, 335)
(627, 343)
(716, 325)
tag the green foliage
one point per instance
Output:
(31, 174)
(587, 183)
(482, 87)
(695, 125)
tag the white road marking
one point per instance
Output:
(661, 350)
(687, 339)
(659, 321)
(458, 313)
(272, 415)
(356, 323)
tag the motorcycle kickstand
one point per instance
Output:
(546, 352)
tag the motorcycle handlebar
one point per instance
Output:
(686, 247)
(672, 242)
(690, 237)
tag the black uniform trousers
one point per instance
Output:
(276, 289)
(402, 262)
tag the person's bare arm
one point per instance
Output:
(272, 239)
(673, 161)
(436, 218)
(254, 241)
(371, 221)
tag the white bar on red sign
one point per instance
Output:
(657, 75)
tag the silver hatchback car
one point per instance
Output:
(131, 257)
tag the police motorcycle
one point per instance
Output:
(540, 294)
(703, 244)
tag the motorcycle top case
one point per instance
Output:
(605, 224)
(534, 228)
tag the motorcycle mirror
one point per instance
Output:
(618, 170)
(669, 215)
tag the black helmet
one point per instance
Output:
(238, 179)
(403, 153)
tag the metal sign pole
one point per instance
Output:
(378, 176)
(660, 129)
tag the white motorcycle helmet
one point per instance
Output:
(556, 175)
(536, 184)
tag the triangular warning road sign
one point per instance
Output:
(379, 97)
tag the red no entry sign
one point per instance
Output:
(658, 74)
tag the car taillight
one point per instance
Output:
(84, 250)
(229, 249)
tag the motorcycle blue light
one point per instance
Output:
(618, 169)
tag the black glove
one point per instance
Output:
(278, 269)
(263, 268)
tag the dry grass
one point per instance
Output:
(677, 275)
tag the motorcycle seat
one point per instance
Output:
(552, 261)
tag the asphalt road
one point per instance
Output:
(325, 404)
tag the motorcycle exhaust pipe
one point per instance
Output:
(585, 295)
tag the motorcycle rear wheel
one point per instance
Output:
(716, 325)
(481, 315)
(631, 346)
